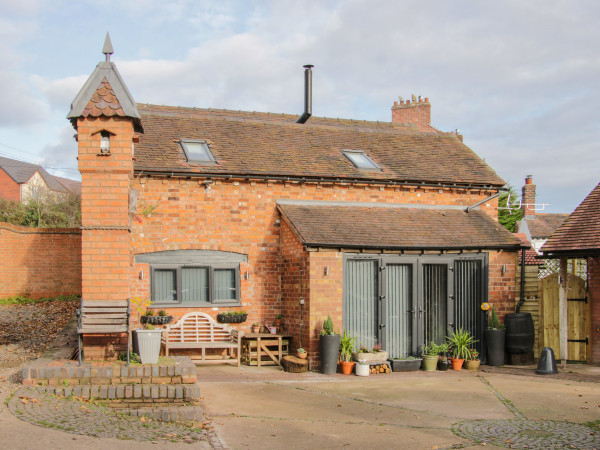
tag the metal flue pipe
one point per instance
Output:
(307, 94)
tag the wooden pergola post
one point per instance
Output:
(563, 314)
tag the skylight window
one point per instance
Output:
(197, 151)
(360, 160)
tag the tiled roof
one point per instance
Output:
(579, 235)
(103, 103)
(264, 144)
(104, 93)
(72, 186)
(22, 172)
(398, 228)
(543, 225)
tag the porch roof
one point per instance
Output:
(394, 227)
(579, 235)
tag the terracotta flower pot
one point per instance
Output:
(457, 363)
(346, 367)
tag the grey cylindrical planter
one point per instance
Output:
(329, 345)
(148, 345)
(495, 347)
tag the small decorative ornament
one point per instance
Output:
(485, 306)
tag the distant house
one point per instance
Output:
(21, 181)
(390, 228)
(537, 227)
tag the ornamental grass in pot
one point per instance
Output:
(346, 349)
(460, 342)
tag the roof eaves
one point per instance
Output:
(317, 178)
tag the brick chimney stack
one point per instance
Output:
(528, 197)
(417, 112)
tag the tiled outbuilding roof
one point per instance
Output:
(543, 225)
(264, 144)
(579, 235)
(398, 227)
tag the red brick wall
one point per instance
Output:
(594, 301)
(241, 217)
(9, 188)
(39, 262)
(502, 287)
(295, 284)
(106, 252)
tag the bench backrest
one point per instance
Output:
(103, 316)
(198, 327)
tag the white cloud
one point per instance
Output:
(60, 158)
(22, 107)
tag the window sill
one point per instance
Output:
(193, 305)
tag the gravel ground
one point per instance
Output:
(26, 330)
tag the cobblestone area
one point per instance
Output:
(86, 418)
(529, 434)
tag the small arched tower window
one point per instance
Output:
(105, 142)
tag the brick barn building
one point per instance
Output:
(389, 227)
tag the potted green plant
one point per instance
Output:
(346, 349)
(162, 318)
(278, 318)
(255, 327)
(232, 317)
(375, 355)
(472, 362)
(442, 351)
(362, 368)
(301, 353)
(495, 336)
(430, 357)
(460, 341)
(329, 344)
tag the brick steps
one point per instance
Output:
(166, 392)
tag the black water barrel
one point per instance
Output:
(519, 332)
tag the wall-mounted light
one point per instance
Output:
(503, 269)
(141, 275)
(246, 275)
(326, 271)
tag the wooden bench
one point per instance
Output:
(102, 317)
(197, 330)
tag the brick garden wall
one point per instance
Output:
(39, 262)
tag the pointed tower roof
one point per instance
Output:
(105, 93)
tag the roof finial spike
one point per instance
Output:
(107, 49)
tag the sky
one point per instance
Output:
(520, 80)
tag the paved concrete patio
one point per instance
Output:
(265, 408)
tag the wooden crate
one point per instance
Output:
(250, 352)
